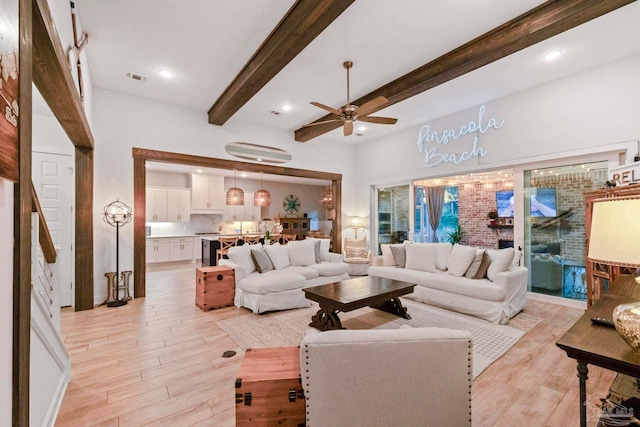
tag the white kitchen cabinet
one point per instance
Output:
(179, 205)
(246, 212)
(158, 250)
(182, 249)
(197, 248)
(156, 208)
(207, 194)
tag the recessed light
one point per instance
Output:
(286, 107)
(243, 174)
(362, 128)
(550, 56)
(167, 74)
(199, 170)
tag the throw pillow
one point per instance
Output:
(460, 259)
(278, 256)
(475, 265)
(500, 261)
(421, 258)
(399, 253)
(316, 250)
(301, 252)
(355, 243)
(484, 265)
(261, 260)
(443, 250)
(241, 256)
(356, 252)
(388, 259)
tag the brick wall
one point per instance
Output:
(474, 202)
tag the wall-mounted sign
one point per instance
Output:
(258, 153)
(430, 141)
(626, 174)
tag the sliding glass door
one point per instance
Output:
(393, 214)
(555, 251)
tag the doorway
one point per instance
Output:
(52, 176)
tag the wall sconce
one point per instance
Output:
(356, 222)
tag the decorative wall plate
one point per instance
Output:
(258, 153)
(291, 204)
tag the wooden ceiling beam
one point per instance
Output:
(52, 77)
(304, 21)
(538, 24)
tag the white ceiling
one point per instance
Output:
(207, 42)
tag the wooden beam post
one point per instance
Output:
(84, 229)
(22, 229)
(139, 219)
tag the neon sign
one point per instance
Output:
(434, 157)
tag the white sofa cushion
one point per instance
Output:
(301, 252)
(475, 265)
(442, 254)
(500, 261)
(330, 268)
(241, 255)
(307, 272)
(421, 257)
(271, 281)
(388, 259)
(460, 259)
(278, 256)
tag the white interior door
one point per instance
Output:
(53, 181)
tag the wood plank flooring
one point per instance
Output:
(158, 361)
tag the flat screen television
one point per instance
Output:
(543, 202)
(504, 201)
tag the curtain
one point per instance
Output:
(435, 205)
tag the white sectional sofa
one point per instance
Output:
(284, 271)
(489, 284)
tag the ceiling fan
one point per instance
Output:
(350, 113)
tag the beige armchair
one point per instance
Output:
(387, 377)
(357, 256)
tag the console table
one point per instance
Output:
(600, 345)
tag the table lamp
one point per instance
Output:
(615, 240)
(355, 223)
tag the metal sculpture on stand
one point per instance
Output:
(117, 214)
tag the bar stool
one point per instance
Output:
(251, 240)
(225, 244)
(286, 238)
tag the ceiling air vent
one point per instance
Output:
(138, 77)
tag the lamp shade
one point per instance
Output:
(615, 232)
(262, 198)
(235, 196)
(356, 222)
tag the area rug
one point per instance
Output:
(285, 328)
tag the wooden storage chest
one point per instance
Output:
(269, 389)
(215, 287)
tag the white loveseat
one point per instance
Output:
(285, 270)
(489, 284)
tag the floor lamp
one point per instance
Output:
(117, 214)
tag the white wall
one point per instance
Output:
(588, 110)
(122, 122)
(6, 298)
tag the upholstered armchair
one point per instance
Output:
(357, 256)
(387, 377)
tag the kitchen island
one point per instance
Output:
(210, 245)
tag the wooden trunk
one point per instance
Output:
(269, 390)
(215, 287)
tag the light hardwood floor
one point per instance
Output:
(158, 361)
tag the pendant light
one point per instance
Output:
(235, 195)
(262, 197)
(327, 199)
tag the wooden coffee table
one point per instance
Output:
(348, 295)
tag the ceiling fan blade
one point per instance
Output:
(371, 106)
(380, 120)
(322, 122)
(325, 107)
(348, 128)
